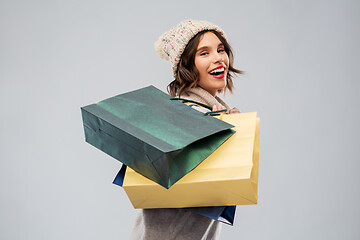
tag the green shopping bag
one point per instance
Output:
(159, 138)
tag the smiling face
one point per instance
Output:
(212, 62)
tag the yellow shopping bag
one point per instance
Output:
(229, 176)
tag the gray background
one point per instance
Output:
(301, 60)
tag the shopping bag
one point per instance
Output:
(224, 214)
(229, 176)
(159, 138)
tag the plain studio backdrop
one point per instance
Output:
(301, 60)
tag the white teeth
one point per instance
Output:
(218, 70)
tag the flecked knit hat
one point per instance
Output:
(171, 44)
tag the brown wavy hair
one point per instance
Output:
(187, 75)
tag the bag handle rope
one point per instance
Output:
(211, 113)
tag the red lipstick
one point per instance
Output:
(217, 68)
(219, 76)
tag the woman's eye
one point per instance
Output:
(221, 50)
(203, 53)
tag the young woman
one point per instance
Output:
(202, 64)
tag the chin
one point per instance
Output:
(222, 85)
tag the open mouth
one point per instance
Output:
(218, 73)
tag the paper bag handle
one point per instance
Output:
(211, 113)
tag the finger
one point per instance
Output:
(234, 110)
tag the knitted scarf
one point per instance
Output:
(202, 96)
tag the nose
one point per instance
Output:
(218, 58)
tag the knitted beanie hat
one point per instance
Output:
(171, 44)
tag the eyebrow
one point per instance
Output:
(206, 47)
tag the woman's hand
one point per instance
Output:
(218, 107)
(221, 107)
(234, 110)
